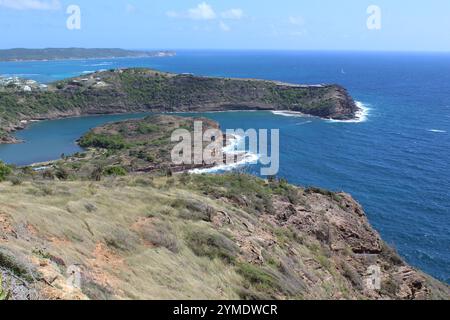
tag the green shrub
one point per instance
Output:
(17, 263)
(115, 171)
(321, 191)
(114, 142)
(209, 243)
(4, 294)
(257, 276)
(96, 174)
(145, 128)
(16, 180)
(62, 174)
(48, 174)
(352, 275)
(160, 235)
(193, 210)
(390, 254)
(4, 171)
(122, 239)
(242, 189)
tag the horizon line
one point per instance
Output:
(236, 49)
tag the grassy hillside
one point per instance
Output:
(137, 90)
(160, 235)
(195, 237)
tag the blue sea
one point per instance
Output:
(395, 163)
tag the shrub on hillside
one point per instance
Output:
(4, 171)
(115, 171)
(209, 243)
(102, 141)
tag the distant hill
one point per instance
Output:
(20, 54)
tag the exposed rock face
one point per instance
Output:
(348, 241)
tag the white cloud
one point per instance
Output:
(233, 14)
(203, 11)
(31, 4)
(298, 21)
(224, 27)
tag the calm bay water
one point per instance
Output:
(396, 163)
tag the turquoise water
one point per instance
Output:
(48, 140)
(396, 163)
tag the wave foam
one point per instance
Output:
(99, 64)
(290, 114)
(249, 158)
(437, 131)
(360, 116)
(232, 148)
(303, 123)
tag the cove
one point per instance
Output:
(47, 140)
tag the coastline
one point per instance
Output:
(92, 58)
(243, 158)
(23, 125)
(216, 95)
(361, 115)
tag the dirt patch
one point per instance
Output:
(6, 227)
(103, 259)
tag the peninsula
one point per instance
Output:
(145, 90)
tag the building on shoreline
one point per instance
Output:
(26, 85)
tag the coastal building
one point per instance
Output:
(26, 85)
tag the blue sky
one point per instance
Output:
(218, 24)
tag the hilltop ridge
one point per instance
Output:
(145, 90)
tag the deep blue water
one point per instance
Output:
(396, 163)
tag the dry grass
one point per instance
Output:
(144, 238)
(70, 219)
